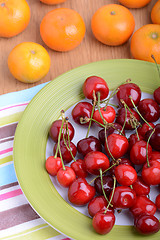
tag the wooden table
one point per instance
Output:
(90, 49)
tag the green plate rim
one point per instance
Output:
(31, 137)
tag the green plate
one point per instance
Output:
(32, 134)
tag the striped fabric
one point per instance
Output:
(17, 219)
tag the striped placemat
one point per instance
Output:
(17, 218)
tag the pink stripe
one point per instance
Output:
(10, 194)
(18, 105)
(6, 150)
(66, 239)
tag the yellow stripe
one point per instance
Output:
(6, 159)
(11, 118)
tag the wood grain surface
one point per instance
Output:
(90, 50)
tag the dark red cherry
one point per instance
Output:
(147, 224)
(143, 205)
(117, 144)
(133, 138)
(115, 129)
(126, 175)
(156, 95)
(80, 192)
(95, 161)
(107, 185)
(89, 144)
(55, 128)
(144, 128)
(66, 155)
(124, 197)
(97, 84)
(121, 116)
(138, 152)
(126, 90)
(82, 110)
(108, 115)
(103, 222)
(140, 187)
(80, 168)
(151, 175)
(149, 109)
(155, 138)
(125, 161)
(155, 156)
(157, 202)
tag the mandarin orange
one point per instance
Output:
(134, 3)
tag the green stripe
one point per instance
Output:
(40, 232)
(11, 118)
(6, 159)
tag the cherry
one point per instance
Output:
(124, 197)
(97, 84)
(125, 161)
(82, 110)
(138, 152)
(126, 90)
(79, 168)
(96, 160)
(117, 128)
(151, 174)
(80, 192)
(140, 187)
(121, 116)
(107, 185)
(66, 176)
(103, 222)
(149, 109)
(156, 95)
(147, 224)
(155, 138)
(89, 144)
(157, 202)
(144, 128)
(53, 164)
(155, 156)
(117, 145)
(108, 113)
(97, 204)
(126, 175)
(66, 155)
(143, 205)
(133, 138)
(55, 129)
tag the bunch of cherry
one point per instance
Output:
(112, 157)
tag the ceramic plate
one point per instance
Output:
(32, 135)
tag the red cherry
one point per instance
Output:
(157, 202)
(66, 177)
(121, 116)
(80, 192)
(149, 109)
(66, 155)
(138, 152)
(155, 156)
(103, 222)
(125, 161)
(79, 168)
(156, 95)
(140, 187)
(53, 164)
(108, 114)
(133, 138)
(107, 185)
(95, 161)
(97, 84)
(123, 197)
(147, 224)
(143, 205)
(155, 138)
(89, 144)
(151, 175)
(55, 128)
(117, 144)
(82, 110)
(98, 204)
(126, 175)
(144, 128)
(126, 90)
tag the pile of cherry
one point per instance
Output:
(116, 184)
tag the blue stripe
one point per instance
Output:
(7, 174)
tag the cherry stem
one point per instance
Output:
(152, 56)
(124, 120)
(107, 145)
(98, 105)
(131, 186)
(147, 147)
(137, 133)
(111, 95)
(114, 186)
(101, 176)
(139, 113)
(94, 104)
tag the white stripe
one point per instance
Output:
(6, 154)
(10, 111)
(59, 237)
(6, 145)
(12, 202)
(6, 190)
